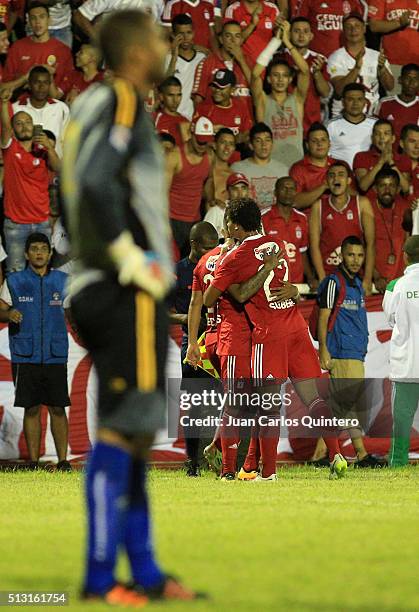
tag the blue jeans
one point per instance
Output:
(16, 235)
(65, 35)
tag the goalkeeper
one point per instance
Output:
(116, 209)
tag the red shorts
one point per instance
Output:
(235, 372)
(212, 355)
(293, 356)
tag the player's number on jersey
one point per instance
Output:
(283, 264)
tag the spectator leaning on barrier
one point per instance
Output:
(31, 301)
(401, 307)
(342, 348)
(27, 157)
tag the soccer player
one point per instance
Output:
(123, 271)
(336, 216)
(279, 333)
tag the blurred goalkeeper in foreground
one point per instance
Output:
(116, 208)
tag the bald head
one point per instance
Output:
(22, 125)
(203, 238)
(411, 248)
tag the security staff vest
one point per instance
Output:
(41, 337)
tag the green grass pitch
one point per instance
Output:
(302, 543)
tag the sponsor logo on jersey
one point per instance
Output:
(334, 258)
(267, 248)
(25, 298)
(211, 262)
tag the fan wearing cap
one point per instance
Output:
(237, 186)
(224, 109)
(231, 56)
(188, 167)
(356, 63)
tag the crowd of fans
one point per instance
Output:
(311, 108)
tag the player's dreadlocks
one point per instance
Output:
(244, 212)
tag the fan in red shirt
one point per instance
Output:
(301, 37)
(389, 209)
(367, 164)
(290, 225)
(409, 142)
(87, 73)
(188, 168)
(27, 158)
(279, 332)
(224, 109)
(257, 20)
(310, 174)
(326, 21)
(336, 216)
(167, 119)
(38, 49)
(231, 57)
(202, 14)
(397, 21)
(403, 108)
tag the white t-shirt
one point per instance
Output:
(341, 62)
(415, 219)
(5, 294)
(3, 253)
(347, 139)
(262, 179)
(54, 116)
(215, 216)
(185, 72)
(93, 8)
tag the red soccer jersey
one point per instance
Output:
(336, 225)
(26, 179)
(201, 12)
(236, 116)
(326, 21)
(307, 175)
(368, 159)
(294, 233)
(75, 80)
(312, 103)
(203, 274)
(389, 237)
(271, 321)
(233, 333)
(400, 46)
(169, 124)
(25, 53)
(186, 189)
(208, 67)
(399, 113)
(263, 32)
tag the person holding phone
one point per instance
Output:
(28, 154)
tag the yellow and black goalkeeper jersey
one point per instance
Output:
(113, 178)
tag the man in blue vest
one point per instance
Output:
(31, 301)
(343, 346)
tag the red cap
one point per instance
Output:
(236, 178)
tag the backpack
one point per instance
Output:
(314, 315)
